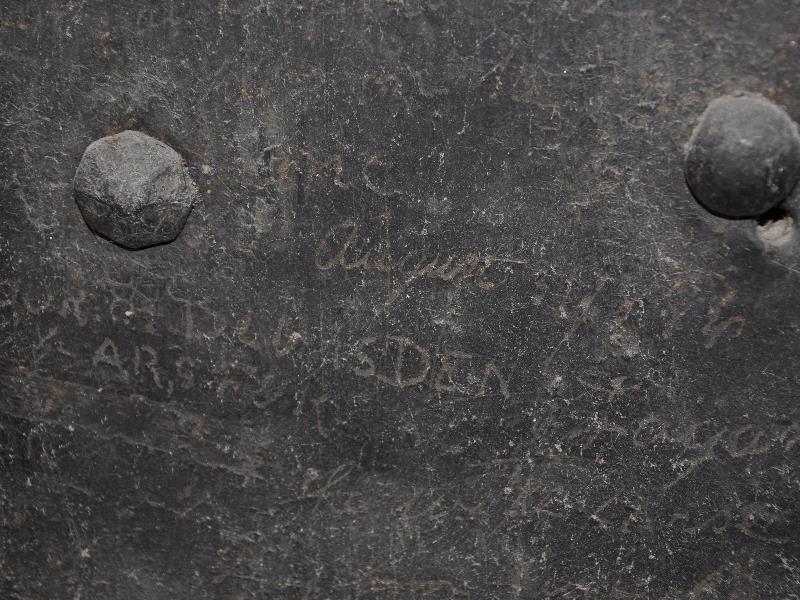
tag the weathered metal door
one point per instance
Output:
(396, 299)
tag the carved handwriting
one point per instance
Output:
(400, 362)
(346, 248)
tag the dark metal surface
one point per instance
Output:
(446, 322)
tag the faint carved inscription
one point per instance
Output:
(346, 247)
(400, 362)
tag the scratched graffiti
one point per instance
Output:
(346, 248)
(445, 323)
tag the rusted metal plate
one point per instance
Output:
(445, 320)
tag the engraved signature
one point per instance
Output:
(345, 247)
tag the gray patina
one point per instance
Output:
(447, 325)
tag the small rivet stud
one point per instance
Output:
(743, 157)
(134, 190)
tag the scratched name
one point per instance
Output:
(348, 248)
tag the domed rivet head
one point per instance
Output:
(744, 156)
(134, 190)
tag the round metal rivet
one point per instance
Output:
(134, 190)
(744, 156)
